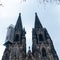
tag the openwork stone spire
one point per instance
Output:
(37, 22)
(19, 23)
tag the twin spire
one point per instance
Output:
(19, 23)
(19, 27)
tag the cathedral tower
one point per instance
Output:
(15, 42)
(42, 47)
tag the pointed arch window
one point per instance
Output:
(17, 37)
(37, 39)
(43, 52)
(40, 37)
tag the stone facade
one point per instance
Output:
(42, 45)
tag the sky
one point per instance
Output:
(49, 15)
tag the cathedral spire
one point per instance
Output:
(19, 23)
(37, 22)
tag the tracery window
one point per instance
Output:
(17, 37)
(43, 52)
(40, 37)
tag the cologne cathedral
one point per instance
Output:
(42, 45)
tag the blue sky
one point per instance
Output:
(49, 15)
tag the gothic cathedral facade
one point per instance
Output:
(42, 45)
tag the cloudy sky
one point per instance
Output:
(49, 15)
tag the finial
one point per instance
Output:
(19, 14)
(35, 13)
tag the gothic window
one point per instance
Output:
(36, 38)
(17, 37)
(40, 37)
(21, 39)
(43, 52)
(16, 52)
